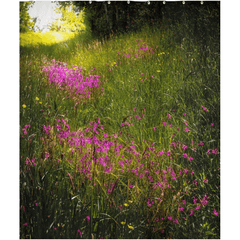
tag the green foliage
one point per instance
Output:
(70, 20)
(25, 24)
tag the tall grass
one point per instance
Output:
(138, 156)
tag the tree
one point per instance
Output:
(24, 18)
(72, 20)
(119, 16)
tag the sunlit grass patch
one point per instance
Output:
(34, 39)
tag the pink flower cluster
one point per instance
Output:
(30, 163)
(213, 151)
(150, 202)
(47, 129)
(141, 51)
(72, 80)
(25, 129)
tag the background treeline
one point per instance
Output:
(103, 19)
(118, 17)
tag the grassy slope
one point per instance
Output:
(178, 77)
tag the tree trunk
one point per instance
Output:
(105, 7)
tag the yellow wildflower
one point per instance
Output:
(158, 71)
(37, 98)
(123, 223)
(130, 201)
(125, 204)
(24, 106)
(40, 102)
(130, 227)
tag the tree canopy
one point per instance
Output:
(24, 18)
(71, 20)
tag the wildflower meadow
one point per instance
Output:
(120, 135)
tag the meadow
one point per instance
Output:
(120, 137)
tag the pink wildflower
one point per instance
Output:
(79, 232)
(215, 213)
(194, 200)
(198, 207)
(215, 151)
(204, 109)
(24, 131)
(105, 135)
(184, 147)
(191, 213)
(131, 186)
(195, 182)
(175, 221)
(190, 159)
